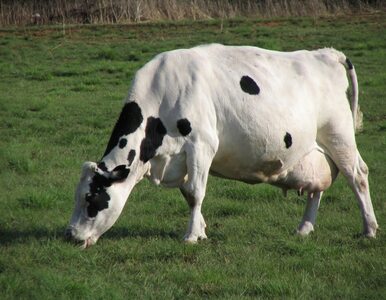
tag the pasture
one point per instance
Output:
(61, 90)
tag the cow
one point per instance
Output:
(237, 112)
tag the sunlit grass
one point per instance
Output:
(59, 99)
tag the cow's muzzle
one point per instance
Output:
(71, 236)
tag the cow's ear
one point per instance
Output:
(88, 168)
(119, 173)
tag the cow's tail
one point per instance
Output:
(355, 109)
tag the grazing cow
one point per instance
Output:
(241, 113)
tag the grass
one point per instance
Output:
(60, 96)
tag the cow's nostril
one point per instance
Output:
(68, 233)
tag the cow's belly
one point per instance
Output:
(313, 172)
(263, 147)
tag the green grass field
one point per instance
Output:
(60, 95)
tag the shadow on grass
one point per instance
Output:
(26, 236)
(20, 236)
(117, 233)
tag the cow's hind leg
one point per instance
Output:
(309, 218)
(340, 143)
(360, 185)
(355, 170)
(199, 158)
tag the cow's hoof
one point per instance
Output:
(193, 239)
(190, 240)
(370, 230)
(370, 233)
(305, 228)
(203, 237)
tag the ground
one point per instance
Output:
(61, 92)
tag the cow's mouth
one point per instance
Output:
(88, 242)
(82, 243)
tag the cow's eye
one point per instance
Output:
(89, 197)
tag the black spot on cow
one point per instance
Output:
(349, 64)
(184, 127)
(129, 120)
(131, 156)
(122, 143)
(287, 140)
(102, 166)
(154, 134)
(97, 202)
(98, 198)
(248, 85)
(119, 173)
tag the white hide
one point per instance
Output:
(238, 135)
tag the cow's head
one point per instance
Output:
(99, 199)
(104, 188)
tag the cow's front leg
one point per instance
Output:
(197, 225)
(307, 224)
(199, 158)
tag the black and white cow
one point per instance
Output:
(241, 113)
